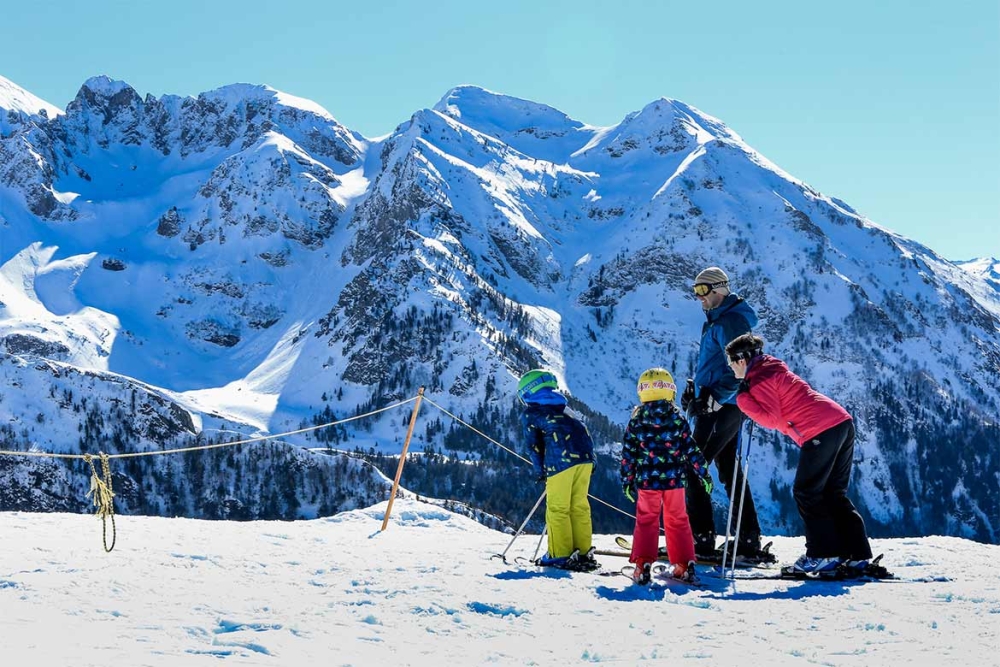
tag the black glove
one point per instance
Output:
(688, 395)
(742, 386)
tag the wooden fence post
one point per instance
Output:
(402, 458)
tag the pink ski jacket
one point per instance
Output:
(778, 398)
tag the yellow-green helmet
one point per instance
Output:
(533, 381)
(656, 384)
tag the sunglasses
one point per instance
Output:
(702, 289)
(744, 356)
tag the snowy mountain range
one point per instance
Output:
(174, 268)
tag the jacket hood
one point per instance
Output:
(735, 304)
(546, 397)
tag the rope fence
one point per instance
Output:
(195, 448)
(102, 492)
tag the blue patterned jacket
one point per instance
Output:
(658, 448)
(555, 440)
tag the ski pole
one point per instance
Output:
(503, 556)
(743, 491)
(732, 498)
(539, 546)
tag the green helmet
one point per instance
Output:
(533, 381)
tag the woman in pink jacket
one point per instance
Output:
(777, 398)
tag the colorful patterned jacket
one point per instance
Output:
(555, 441)
(658, 449)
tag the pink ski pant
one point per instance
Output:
(680, 543)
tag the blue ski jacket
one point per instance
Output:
(733, 317)
(555, 441)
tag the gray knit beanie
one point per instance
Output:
(713, 275)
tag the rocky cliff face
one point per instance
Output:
(263, 266)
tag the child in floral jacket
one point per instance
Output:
(657, 452)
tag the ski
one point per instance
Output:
(525, 564)
(662, 574)
(765, 560)
(801, 576)
(572, 563)
(618, 553)
(659, 577)
(873, 572)
(626, 544)
(597, 571)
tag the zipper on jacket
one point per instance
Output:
(795, 429)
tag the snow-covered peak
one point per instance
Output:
(15, 99)
(530, 127)
(243, 93)
(984, 267)
(302, 103)
(654, 115)
(108, 113)
(666, 116)
(302, 120)
(105, 86)
(663, 127)
(105, 95)
(708, 123)
(484, 109)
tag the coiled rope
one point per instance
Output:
(103, 495)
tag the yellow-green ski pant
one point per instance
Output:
(567, 510)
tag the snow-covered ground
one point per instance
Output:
(337, 591)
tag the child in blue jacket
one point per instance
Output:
(562, 453)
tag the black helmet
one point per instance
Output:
(746, 347)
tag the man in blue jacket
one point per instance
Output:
(711, 402)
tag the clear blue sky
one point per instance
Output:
(892, 106)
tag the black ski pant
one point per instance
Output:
(717, 434)
(833, 526)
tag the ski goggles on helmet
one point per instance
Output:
(702, 289)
